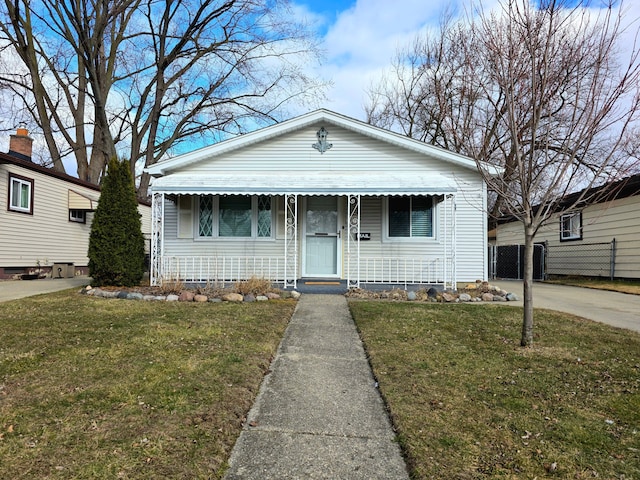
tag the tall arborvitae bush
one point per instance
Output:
(116, 245)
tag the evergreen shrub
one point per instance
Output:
(116, 244)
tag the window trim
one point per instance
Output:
(385, 223)
(82, 219)
(23, 181)
(215, 234)
(571, 237)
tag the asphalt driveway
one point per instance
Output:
(617, 309)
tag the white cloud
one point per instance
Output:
(364, 38)
(362, 42)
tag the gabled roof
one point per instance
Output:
(298, 123)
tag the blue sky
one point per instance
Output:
(360, 37)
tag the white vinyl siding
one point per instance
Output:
(351, 153)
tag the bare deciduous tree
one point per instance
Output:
(138, 77)
(543, 91)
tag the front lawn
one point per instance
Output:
(470, 403)
(97, 388)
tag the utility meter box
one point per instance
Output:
(63, 270)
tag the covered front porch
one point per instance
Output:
(321, 231)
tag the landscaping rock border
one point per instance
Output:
(187, 296)
(471, 293)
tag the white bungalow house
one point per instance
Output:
(319, 197)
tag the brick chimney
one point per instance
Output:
(20, 144)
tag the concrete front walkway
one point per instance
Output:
(616, 309)
(15, 289)
(318, 413)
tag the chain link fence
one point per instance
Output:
(580, 259)
(507, 261)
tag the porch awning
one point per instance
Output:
(356, 183)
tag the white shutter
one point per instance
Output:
(185, 217)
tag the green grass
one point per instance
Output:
(97, 388)
(469, 402)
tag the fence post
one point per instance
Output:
(543, 259)
(492, 266)
(520, 273)
(612, 270)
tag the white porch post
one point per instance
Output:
(454, 243)
(449, 247)
(157, 239)
(291, 241)
(353, 235)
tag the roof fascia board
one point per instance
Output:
(28, 165)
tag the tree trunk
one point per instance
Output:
(527, 317)
(143, 187)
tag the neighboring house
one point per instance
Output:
(45, 216)
(602, 239)
(324, 197)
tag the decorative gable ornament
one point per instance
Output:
(322, 145)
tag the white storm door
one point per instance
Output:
(322, 237)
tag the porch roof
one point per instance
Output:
(339, 183)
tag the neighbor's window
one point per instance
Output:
(410, 217)
(235, 216)
(79, 216)
(571, 226)
(20, 194)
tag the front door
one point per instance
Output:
(321, 237)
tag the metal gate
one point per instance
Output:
(507, 261)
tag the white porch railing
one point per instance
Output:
(222, 271)
(406, 270)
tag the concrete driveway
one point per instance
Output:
(14, 289)
(617, 309)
